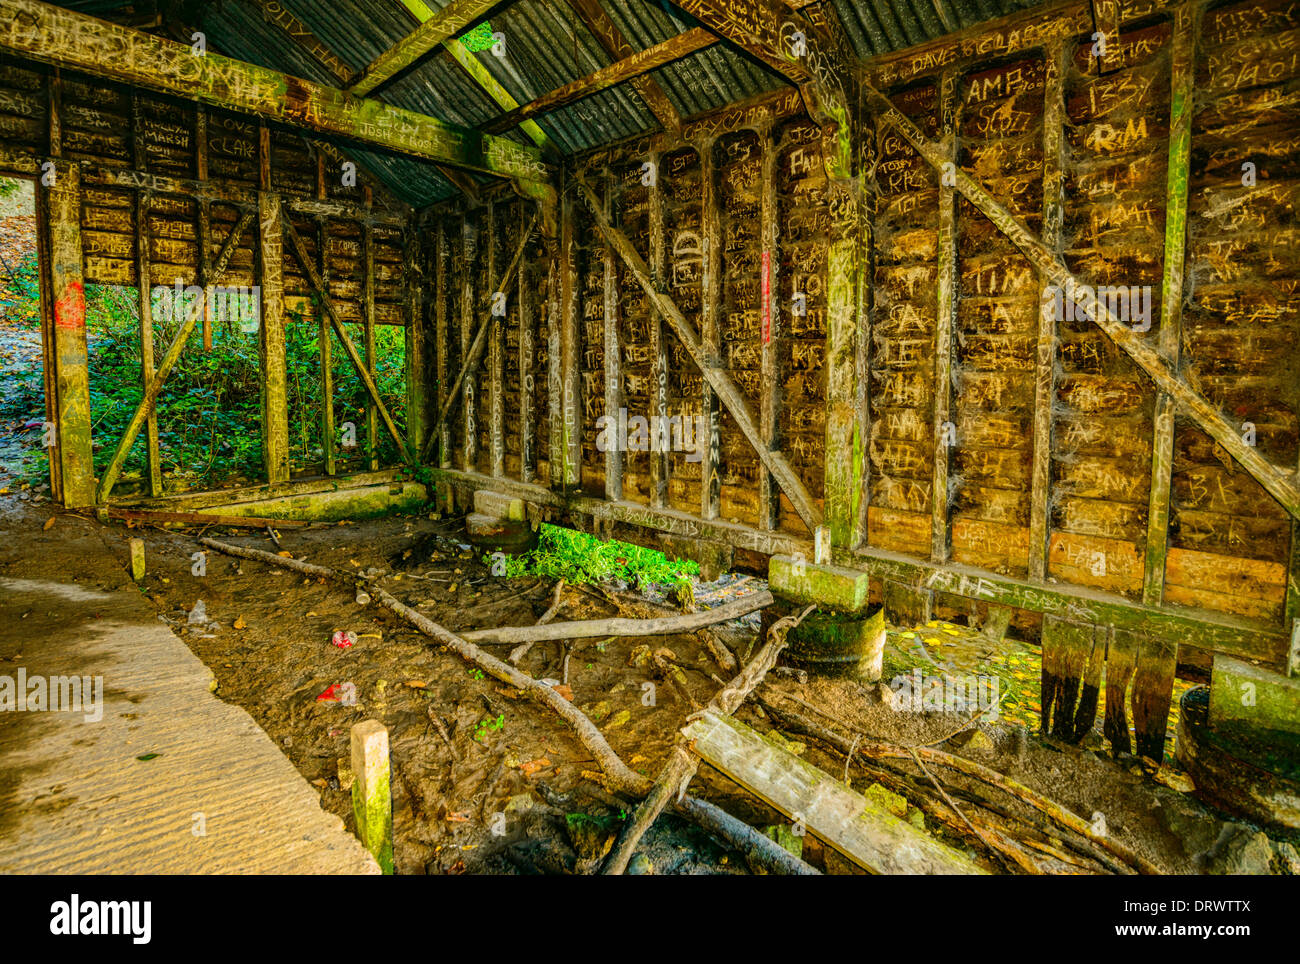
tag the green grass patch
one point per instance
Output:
(579, 558)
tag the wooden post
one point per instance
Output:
(469, 407)
(570, 345)
(710, 330)
(416, 338)
(769, 493)
(527, 343)
(1045, 359)
(275, 409)
(368, 319)
(441, 253)
(844, 453)
(1186, 19)
(62, 206)
(658, 343)
(137, 558)
(328, 441)
(946, 319)
(372, 798)
(496, 356)
(613, 359)
(144, 282)
(204, 221)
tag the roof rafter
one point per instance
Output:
(65, 38)
(438, 28)
(637, 65)
(616, 45)
(301, 35)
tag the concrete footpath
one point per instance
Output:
(169, 779)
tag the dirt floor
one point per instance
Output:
(488, 782)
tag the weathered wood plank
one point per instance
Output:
(613, 354)
(945, 432)
(616, 45)
(449, 21)
(710, 331)
(275, 405)
(870, 836)
(717, 377)
(1183, 80)
(769, 493)
(65, 38)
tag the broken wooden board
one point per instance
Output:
(873, 838)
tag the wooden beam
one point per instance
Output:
(329, 441)
(1054, 120)
(368, 335)
(944, 433)
(716, 376)
(443, 25)
(872, 837)
(616, 46)
(496, 355)
(362, 369)
(658, 267)
(65, 287)
(442, 429)
(639, 63)
(1182, 82)
(65, 38)
(710, 331)
(612, 352)
(1282, 485)
(270, 333)
(569, 349)
(769, 492)
(144, 284)
(1210, 631)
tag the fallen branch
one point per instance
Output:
(518, 652)
(621, 778)
(883, 749)
(663, 626)
(203, 519)
(677, 773)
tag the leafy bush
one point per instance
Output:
(578, 558)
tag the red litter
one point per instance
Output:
(344, 640)
(331, 695)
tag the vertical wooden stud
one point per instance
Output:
(372, 798)
(613, 352)
(710, 331)
(275, 410)
(658, 336)
(946, 319)
(769, 494)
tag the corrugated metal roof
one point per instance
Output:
(546, 46)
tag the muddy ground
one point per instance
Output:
(485, 781)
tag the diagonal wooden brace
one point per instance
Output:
(714, 374)
(314, 278)
(150, 398)
(1283, 486)
(475, 354)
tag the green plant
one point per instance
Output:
(579, 558)
(488, 725)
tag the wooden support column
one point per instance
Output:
(61, 203)
(945, 431)
(613, 354)
(570, 387)
(527, 342)
(275, 408)
(204, 221)
(554, 375)
(416, 342)
(469, 407)
(710, 332)
(144, 281)
(658, 336)
(325, 340)
(441, 254)
(144, 284)
(1183, 78)
(496, 357)
(769, 493)
(1057, 66)
(368, 334)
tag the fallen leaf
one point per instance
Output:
(240, 624)
(48, 523)
(416, 684)
(532, 766)
(458, 816)
(564, 691)
(148, 756)
(320, 782)
(285, 554)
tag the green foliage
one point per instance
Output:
(579, 558)
(488, 725)
(478, 38)
(20, 292)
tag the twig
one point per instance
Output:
(518, 652)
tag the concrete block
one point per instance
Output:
(905, 606)
(799, 581)
(498, 506)
(137, 559)
(1242, 693)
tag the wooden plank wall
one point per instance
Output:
(165, 181)
(1011, 456)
